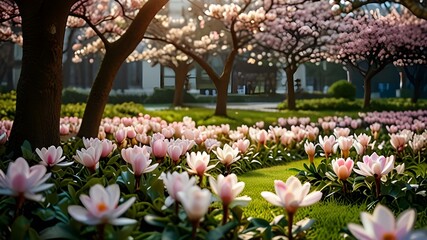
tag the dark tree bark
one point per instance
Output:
(7, 63)
(115, 55)
(367, 88)
(181, 72)
(38, 101)
(290, 71)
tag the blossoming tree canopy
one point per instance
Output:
(418, 8)
(233, 24)
(297, 34)
(369, 41)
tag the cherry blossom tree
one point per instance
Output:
(117, 43)
(369, 42)
(43, 24)
(157, 52)
(417, 7)
(297, 35)
(233, 24)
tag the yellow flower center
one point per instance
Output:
(102, 207)
(389, 236)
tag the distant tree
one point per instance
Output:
(233, 24)
(43, 23)
(370, 41)
(417, 7)
(298, 35)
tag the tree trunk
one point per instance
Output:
(221, 85)
(98, 96)
(221, 98)
(181, 72)
(290, 71)
(115, 55)
(367, 89)
(38, 100)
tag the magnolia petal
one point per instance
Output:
(272, 198)
(34, 197)
(151, 168)
(82, 215)
(123, 207)
(122, 221)
(385, 218)
(42, 187)
(113, 195)
(311, 199)
(405, 222)
(359, 232)
(242, 201)
(213, 184)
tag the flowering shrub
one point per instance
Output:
(146, 178)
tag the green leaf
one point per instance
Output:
(20, 228)
(27, 151)
(44, 214)
(220, 231)
(60, 231)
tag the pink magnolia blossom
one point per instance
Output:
(327, 144)
(52, 156)
(159, 148)
(196, 202)
(342, 168)
(242, 145)
(310, 149)
(139, 158)
(101, 207)
(375, 165)
(106, 145)
(198, 163)
(345, 144)
(227, 189)
(383, 225)
(176, 182)
(89, 157)
(24, 181)
(398, 142)
(292, 194)
(227, 155)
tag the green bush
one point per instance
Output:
(165, 95)
(342, 89)
(320, 104)
(74, 95)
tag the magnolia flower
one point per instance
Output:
(198, 163)
(400, 169)
(342, 168)
(242, 145)
(227, 155)
(106, 145)
(398, 142)
(375, 165)
(139, 158)
(175, 183)
(292, 194)
(22, 180)
(196, 202)
(159, 148)
(327, 144)
(52, 156)
(227, 189)
(382, 224)
(345, 143)
(89, 157)
(101, 207)
(310, 149)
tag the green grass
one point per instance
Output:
(331, 216)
